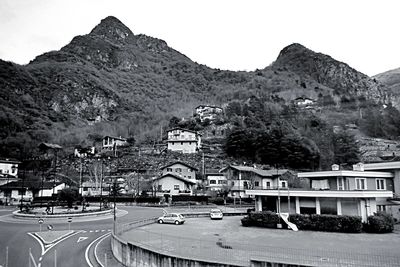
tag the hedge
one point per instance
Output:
(315, 222)
(380, 222)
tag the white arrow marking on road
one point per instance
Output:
(81, 238)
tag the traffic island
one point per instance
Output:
(60, 212)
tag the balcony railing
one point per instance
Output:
(307, 189)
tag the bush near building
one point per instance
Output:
(380, 222)
(314, 222)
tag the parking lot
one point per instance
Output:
(227, 241)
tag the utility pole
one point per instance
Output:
(101, 184)
(54, 180)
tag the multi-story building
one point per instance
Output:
(341, 192)
(111, 142)
(172, 184)
(180, 169)
(208, 112)
(242, 178)
(185, 141)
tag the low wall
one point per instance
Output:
(133, 255)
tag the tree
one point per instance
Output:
(173, 122)
(346, 149)
(69, 195)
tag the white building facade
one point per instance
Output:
(185, 141)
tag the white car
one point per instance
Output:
(216, 214)
(174, 218)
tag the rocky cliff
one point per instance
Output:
(112, 81)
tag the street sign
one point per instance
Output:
(69, 219)
(40, 221)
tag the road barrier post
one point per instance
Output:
(69, 223)
(6, 257)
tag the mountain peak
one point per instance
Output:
(112, 29)
(294, 48)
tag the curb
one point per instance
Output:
(17, 214)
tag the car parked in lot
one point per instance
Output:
(174, 218)
(216, 214)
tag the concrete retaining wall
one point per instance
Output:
(132, 255)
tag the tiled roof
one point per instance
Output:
(260, 172)
(176, 177)
(179, 162)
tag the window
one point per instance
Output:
(268, 184)
(189, 177)
(176, 187)
(380, 184)
(340, 183)
(169, 169)
(159, 187)
(257, 183)
(283, 184)
(213, 181)
(361, 183)
(222, 182)
(181, 143)
(380, 208)
(178, 170)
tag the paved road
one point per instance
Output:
(72, 250)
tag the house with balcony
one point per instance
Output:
(182, 140)
(242, 178)
(208, 112)
(342, 192)
(112, 142)
(180, 169)
(171, 184)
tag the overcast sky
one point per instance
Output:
(225, 34)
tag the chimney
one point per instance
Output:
(358, 167)
(335, 167)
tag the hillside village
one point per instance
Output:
(191, 163)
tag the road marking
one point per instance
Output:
(91, 231)
(47, 247)
(88, 247)
(95, 249)
(81, 238)
(97, 231)
(103, 230)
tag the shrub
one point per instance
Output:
(315, 222)
(246, 221)
(380, 222)
(217, 201)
